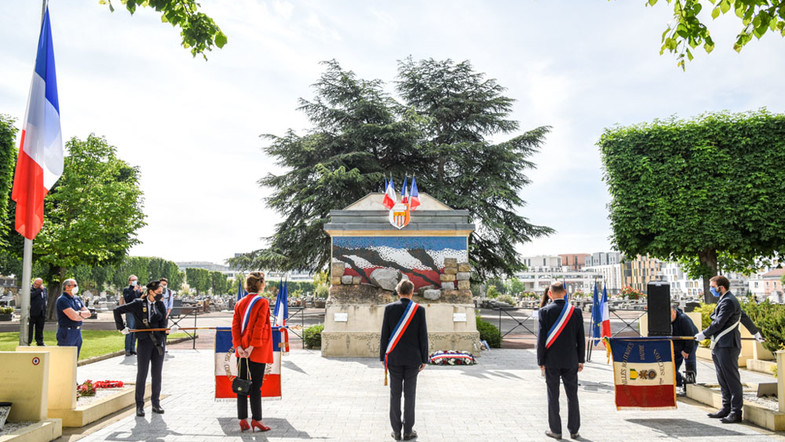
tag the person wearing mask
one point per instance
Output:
(148, 312)
(683, 350)
(561, 349)
(70, 313)
(726, 346)
(37, 312)
(131, 294)
(403, 349)
(168, 299)
(252, 337)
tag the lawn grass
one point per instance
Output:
(94, 342)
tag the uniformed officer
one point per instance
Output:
(726, 346)
(561, 348)
(70, 312)
(148, 312)
(683, 350)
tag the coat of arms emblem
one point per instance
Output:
(399, 215)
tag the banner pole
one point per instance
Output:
(24, 294)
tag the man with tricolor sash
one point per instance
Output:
(560, 354)
(404, 352)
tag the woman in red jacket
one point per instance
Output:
(253, 338)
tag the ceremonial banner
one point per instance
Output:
(271, 388)
(644, 373)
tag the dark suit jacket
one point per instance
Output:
(725, 314)
(569, 348)
(136, 308)
(412, 348)
(37, 302)
(130, 295)
(683, 326)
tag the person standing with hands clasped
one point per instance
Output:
(561, 348)
(70, 313)
(403, 350)
(37, 312)
(148, 312)
(252, 337)
(726, 346)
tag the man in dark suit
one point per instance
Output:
(561, 347)
(37, 312)
(726, 346)
(404, 347)
(683, 350)
(131, 294)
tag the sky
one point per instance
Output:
(193, 126)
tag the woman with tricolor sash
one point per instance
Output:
(252, 338)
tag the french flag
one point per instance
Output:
(389, 195)
(404, 192)
(281, 312)
(414, 198)
(225, 357)
(40, 161)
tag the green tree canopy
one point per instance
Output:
(199, 31)
(7, 163)
(699, 190)
(439, 134)
(688, 30)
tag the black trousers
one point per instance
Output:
(690, 365)
(257, 377)
(147, 356)
(403, 379)
(36, 322)
(570, 378)
(726, 363)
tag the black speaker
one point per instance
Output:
(659, 298)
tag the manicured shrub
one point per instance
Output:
(312, 336)
(489, 333)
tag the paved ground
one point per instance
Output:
(343, 399)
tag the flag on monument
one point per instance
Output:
(226, 361)
(414, 198)
(281, 312)
(404, 192)
(644, 373)
(40, 161)
(389, 195)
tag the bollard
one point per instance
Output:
(781, 379)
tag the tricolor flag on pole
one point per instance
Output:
(643, 372)
(601, 321)
(226, 361)
(389, 195)
(414, 198)
(404, 192)
(281, 312)
(240, 291)
(40, 161)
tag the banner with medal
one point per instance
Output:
(226, 366)
(643, 372)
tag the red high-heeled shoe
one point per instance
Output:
(256, 424)
(244, 425)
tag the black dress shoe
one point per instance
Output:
(158, 410)
(140, 411)
(396, 435)
(410, 436)
(575, 436)
(733, 418)
(556, 436)
(719, 415)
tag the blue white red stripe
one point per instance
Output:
(247, 314)
(558, 327)
(40, 161)
(271, 387)
(643, 372)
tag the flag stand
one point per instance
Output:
(24, 294)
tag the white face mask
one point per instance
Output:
(133, 283)
(163, 287)
(74, 290)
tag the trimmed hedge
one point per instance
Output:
(489, 333)
(312, 336)
(770, 319)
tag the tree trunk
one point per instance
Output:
(708, 258)
(55, 289)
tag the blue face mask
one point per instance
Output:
(715, 292)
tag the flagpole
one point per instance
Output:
(24, 294)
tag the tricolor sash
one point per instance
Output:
(558, 327)
(247, 314)
(398, 331)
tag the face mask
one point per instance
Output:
(74, 290)
(159, 296)
(133, 283)
(163, 287)
(715, 292)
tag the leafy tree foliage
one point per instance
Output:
(198, 279)
(688, 30)
(199, 31)
(439, 134)
(92, 212)
(7, 162)
(706, 191)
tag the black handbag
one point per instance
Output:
(242, 386)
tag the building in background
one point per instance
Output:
(575, 261)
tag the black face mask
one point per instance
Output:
(159, 296)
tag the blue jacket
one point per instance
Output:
(726, 314)
(683, 326)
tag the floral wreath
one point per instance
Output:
(452, 357)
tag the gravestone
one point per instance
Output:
(431, 251)
(61, 393)
(25, 382)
